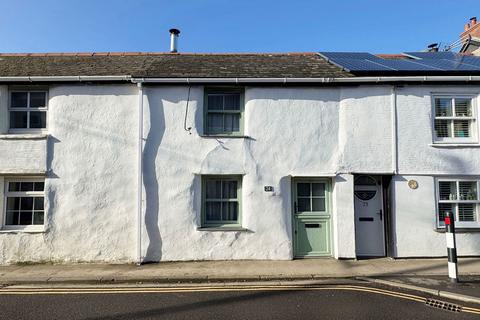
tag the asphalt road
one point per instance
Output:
(325, 303)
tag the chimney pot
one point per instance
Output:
(174, 40)
(473, 21)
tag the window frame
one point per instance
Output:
(6, 194)
(458, 224)
(221, 224)
(473, 118)
(206, 111)
(27, 109)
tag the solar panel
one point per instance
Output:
(422, 61)
(431, 55)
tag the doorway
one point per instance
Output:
(369, 216)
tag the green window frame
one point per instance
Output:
(221, 201)
(223, 111)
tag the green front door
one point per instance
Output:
(311, 218)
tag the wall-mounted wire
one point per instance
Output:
(186, 113)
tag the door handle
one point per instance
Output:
(380, 212)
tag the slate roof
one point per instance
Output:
(168, 65)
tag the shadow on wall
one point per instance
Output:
(150, 152)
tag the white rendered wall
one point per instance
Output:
(90, 188)
(414, 210)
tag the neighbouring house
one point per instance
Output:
(135, 157)
(470, 38)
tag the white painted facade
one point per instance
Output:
(90, 162)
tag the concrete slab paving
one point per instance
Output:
(232, 270)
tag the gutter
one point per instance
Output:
(187, 80)
(65, 78)
(309, 80)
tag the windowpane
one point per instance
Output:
(26, 186)
(447, 190)
(11, 218)
(215, 122)
(463, 107)
(214, 189)
(466, 212)
(443, 128)
(38, 120)
(230, 211)
(215, 102)
(318, 204)
(39, 186)
(25, 217)
(19, 100)
(13, 203)
(468, 190)
(304, 205)
(303, 189)
(232, 102)
(18, 120)
(461, 128)
(26, 204)
(443, 107)
(37, 99)
(38, 203)
(38, 217)
(231, 123)
(213, 211)
(443, 208)
(229, 189)
(318, 189)
(14, 186)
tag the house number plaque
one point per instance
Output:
(268, 188)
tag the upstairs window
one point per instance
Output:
(28, 110)
(24, 203)
(461, 197)
(223, 111)
(455, 119)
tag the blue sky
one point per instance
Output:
(231, 26)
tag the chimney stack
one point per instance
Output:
(174, 40)
(471, 24)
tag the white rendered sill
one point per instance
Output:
(39, 229)
(455, 145)
(24, 136)
(228, 229)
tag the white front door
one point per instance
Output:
(369, 217)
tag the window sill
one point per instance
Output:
(24, 230)
(459, 230)
(224, 136)
(455, 145)
(24, 136)
(233, 228)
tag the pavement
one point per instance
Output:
(414, 274)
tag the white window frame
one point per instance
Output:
(474, 119)
(28, 110)
(458, 224)
(6, 194)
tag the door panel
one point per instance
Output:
(369, 219)
(311, 218)
(312, 237)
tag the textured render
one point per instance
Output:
(292, 132)
(91, 183)
(415, 209)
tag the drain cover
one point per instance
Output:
(443, 305)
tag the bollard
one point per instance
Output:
(451, 247)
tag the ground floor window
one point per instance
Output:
(459, 196)
(221, 205)
(24, 203)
